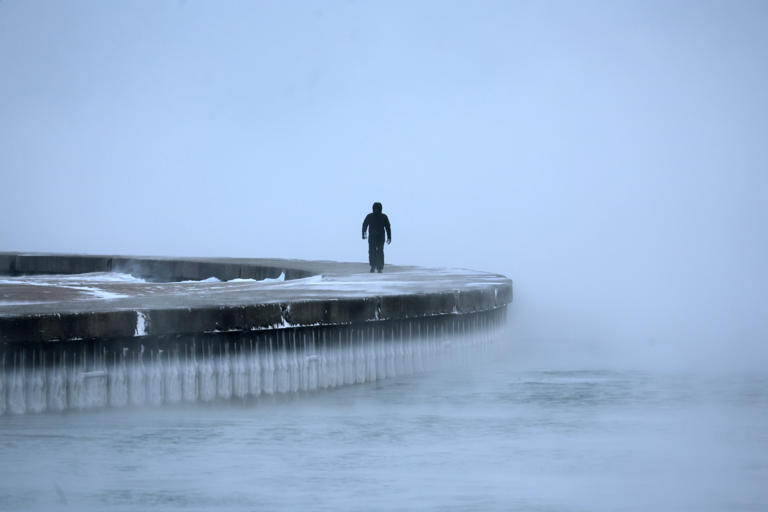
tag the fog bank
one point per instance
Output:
(609, 157)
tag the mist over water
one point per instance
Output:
(609, 157)
(507, 430)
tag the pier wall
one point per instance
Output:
(233, 341)
(155, 269)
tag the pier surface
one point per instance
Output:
(189, 295)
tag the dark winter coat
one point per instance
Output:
(377, 223)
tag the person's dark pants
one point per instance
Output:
(376, 254)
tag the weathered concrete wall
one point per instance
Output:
(158, 370)
(151, 268)
(168, 341)
(415, 293)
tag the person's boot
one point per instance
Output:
(379, 270)
(372, 269)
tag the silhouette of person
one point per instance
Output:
(376, 223)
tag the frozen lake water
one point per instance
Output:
(504, 432)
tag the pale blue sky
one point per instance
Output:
(610, 157)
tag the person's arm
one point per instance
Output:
(388, 228)
(365, 223)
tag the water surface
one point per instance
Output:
(498, 434)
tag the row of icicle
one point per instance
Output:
(286, 364)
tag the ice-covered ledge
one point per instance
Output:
(176, 295)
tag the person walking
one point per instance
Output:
(376, 223)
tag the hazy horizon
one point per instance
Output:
(609, 157)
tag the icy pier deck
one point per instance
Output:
(81, 331)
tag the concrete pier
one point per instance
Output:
(199, 329)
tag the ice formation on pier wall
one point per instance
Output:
(151, 371)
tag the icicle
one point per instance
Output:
(240, 374)
(268, 369)
(254, 370)
(173, 375)
(35, 391)
(207, 375)
(224, 374)
(118, 383)
(3, 377)
(189, 383)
